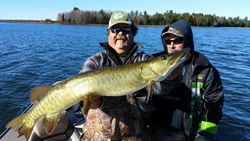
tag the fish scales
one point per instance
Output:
(113, 81)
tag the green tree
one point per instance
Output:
(77, 16)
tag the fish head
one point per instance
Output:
(163, 66)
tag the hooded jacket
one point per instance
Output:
(195, 105)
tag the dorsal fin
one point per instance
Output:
(38, 93)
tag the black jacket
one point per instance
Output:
(194, 106)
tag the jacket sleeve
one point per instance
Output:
(89, 65)
(213, 98)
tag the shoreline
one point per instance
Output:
(55, 22)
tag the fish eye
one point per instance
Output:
(163, 57)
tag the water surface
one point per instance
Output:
(40, 54)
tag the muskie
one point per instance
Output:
(112, 81)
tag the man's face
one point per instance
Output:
(120, 38)
(173, 43)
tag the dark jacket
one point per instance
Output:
(195, 105)
(117, 118)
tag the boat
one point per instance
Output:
(69, 128)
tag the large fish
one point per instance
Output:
(113, 81)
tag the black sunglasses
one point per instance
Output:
(175, 41)
(124, 30)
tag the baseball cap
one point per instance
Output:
(172, 30)
(119, 17)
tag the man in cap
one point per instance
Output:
(192, 110)
(116, 118)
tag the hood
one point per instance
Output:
(185, 29)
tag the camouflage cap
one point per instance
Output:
(119, 17)
(172, 30)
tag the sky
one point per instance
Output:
(43, 9)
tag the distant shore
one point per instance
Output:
(28, 21)
(56, 22)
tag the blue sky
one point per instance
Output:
(42, 9)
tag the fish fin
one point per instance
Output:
(150, 90)
(20, 125)
(86, 105)
(50, 122)
(38, 93)
(90, 102)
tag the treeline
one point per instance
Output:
(27, 21)
(77, 16)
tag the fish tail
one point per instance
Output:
(20, 125)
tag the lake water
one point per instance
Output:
(40, 54)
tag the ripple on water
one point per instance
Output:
(34, 55)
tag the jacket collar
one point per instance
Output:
(200, 60)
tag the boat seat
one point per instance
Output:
(62, 132)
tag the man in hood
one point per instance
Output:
(193, 109)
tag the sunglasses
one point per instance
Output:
(175, 41)
(124, 30)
